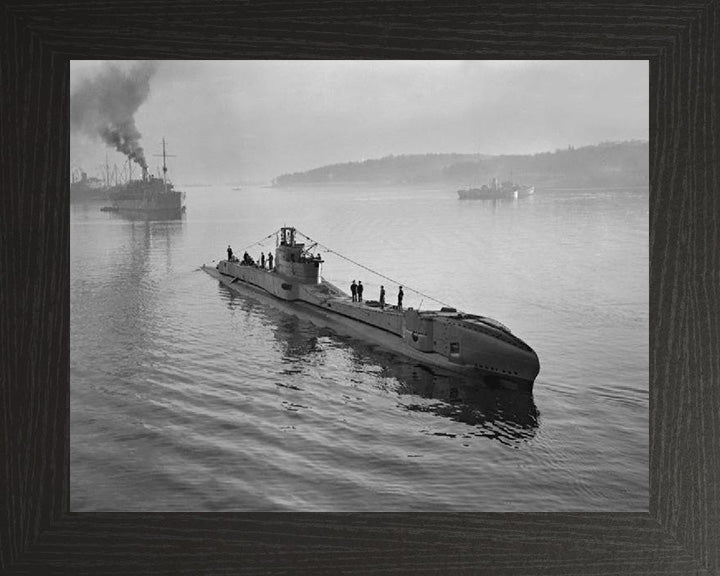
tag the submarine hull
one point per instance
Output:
(453, 342)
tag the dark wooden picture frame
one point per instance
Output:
(681, 532)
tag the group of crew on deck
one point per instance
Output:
(356, 291)
(247, 260)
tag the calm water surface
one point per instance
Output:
(185, 396)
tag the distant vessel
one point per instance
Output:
(84, 188)
(149, 194)
(447, 338)
(496, 190)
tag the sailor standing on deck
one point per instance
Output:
(229, 251)
(382, 297)
(270, 259)
(262, 259)
(353, 291)
(359, 290)
(400, 297)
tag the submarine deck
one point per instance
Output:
(329, 307)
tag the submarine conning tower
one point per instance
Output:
(292, 260)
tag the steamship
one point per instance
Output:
(149, 194)
(496, 190)
(446, 338)
(84, 188)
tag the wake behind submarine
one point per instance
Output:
(447, 338)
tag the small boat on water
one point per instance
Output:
(496, 190)
(446, 338)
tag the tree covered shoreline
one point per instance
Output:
(614, 164)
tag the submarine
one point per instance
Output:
(447, 338)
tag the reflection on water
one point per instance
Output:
(130, 300)
(496, 413)
(300, 344)
(139, 216)
(186, 396)
(504, 415)
(494, 204)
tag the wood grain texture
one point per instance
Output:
(685, 290)
(680, 535)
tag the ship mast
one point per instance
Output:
(164, 156)
(164, 168)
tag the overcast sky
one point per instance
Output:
(237, 121)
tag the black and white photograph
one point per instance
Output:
(359, 285)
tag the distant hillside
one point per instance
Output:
(606, 164)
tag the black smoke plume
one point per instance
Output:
(104, 106)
